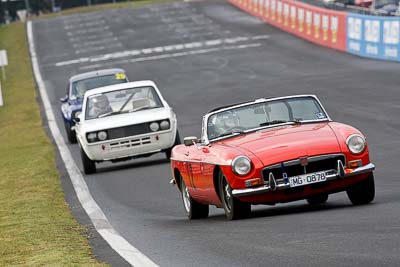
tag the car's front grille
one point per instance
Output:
(130, 130)
(294, 167)
(131, 143)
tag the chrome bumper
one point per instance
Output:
(274, 185)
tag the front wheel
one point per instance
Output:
(176, 142)
(71, 135)
(362, 192)
(193, 209)
(89, 166)
(234, 208)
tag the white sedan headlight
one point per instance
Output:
(355, 143)
(154, 126)
(241, 165)
(102, 135)
(164, 125)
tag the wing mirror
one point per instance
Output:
(190, 140)
(77, 117)
(64, 99)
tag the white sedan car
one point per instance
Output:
(125, 121)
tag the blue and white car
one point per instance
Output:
(72, 102)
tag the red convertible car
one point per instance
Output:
(271, 151)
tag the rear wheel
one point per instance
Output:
(177, 142)
(234, 208)
(362, 192)
(71, 135)
(193, 209)
(317, 199)
(89, 166)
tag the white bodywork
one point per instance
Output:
(129, 146)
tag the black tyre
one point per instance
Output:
(193, 209)
(317, 199)
(234, 208)
(89, 166)
(362, 192)
(71, 135)
(177, 142)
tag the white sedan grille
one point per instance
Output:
(130, 143)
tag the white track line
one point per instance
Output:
(131, 254)
(174, 55)
(151, 50)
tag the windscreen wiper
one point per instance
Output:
(140, 108)
(112, 113)
(231, 133)
(267, 123)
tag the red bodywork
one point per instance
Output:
(198, 165)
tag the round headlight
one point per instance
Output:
(241, 165)
(102, 135)
(355, 143)
(164, 125)
(91, 137)
(77, 114)
(154, 126)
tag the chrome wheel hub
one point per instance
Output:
(228, 195)
(186, 198)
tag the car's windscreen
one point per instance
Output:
(254, 116)
(79, 88)
(122, 101)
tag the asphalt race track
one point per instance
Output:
(205, 54)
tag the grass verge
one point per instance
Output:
(36, 225)
(100, 7)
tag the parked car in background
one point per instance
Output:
(385, 7)
(77, 86)
(124, 121)
(363, 3)
(271, 151)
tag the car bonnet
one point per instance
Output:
(287, 142)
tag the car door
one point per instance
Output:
(192, 170)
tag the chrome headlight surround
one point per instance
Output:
(241, 165)
(356, 143)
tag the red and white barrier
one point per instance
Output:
(318, 25)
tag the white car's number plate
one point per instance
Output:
(309, 178)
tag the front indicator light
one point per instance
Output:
(252, 182)
(354, 164)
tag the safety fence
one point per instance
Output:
(363, 35)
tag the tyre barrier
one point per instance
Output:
(363, 35)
